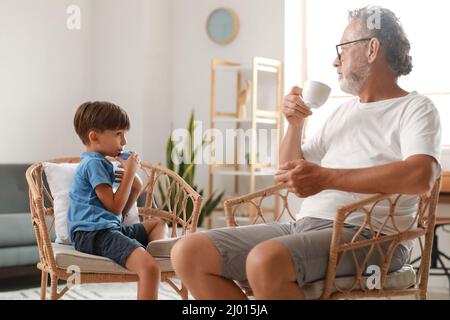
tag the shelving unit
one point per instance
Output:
(270, 116)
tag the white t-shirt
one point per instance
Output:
(361, 135)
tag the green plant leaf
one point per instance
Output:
(213, 203)
(186, 168)
(163, 195)
(169, 149)
(187, 172)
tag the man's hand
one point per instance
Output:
(294, 109)
(303, 178)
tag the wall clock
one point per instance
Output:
(222, 26)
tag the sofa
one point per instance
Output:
(19, 253)
(18, 250)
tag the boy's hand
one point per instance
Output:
(131, 164)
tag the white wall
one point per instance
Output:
(261, 34)
(132, 67)
(121, 54)
(45, 71)
(150, 56)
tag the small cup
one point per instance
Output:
(124, 155)
(315, 93)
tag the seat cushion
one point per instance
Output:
(400, 279)
(66, 256)
(161, 248)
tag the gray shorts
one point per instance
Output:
(308, 242)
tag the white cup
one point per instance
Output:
(315, 93)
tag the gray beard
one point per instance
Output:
(355, 81)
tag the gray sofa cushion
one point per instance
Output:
(13, 188)
(16, 230)
(19, 256)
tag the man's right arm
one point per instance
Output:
(290, 148)
(295, 112)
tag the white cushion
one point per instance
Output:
(161, 248)
(59, 177)
(66, 255)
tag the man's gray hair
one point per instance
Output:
(383, 24)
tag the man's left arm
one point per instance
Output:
(414, 175)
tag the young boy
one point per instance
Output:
(95, 212)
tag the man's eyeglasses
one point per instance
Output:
(339, 49)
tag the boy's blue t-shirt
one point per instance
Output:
(86, 211)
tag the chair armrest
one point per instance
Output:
(421, 227)
(254, 202)
(170, 198)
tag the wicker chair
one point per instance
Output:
(167, 196)
(406, 281)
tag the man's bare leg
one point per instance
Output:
(198, 264)
(270, 272)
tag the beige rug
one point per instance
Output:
(127, 291)
(102, 291)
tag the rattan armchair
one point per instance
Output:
(167, 196)
(332, 287)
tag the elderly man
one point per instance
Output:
(385, 140)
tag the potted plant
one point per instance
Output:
(185, 166)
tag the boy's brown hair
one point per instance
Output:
(99, 116)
